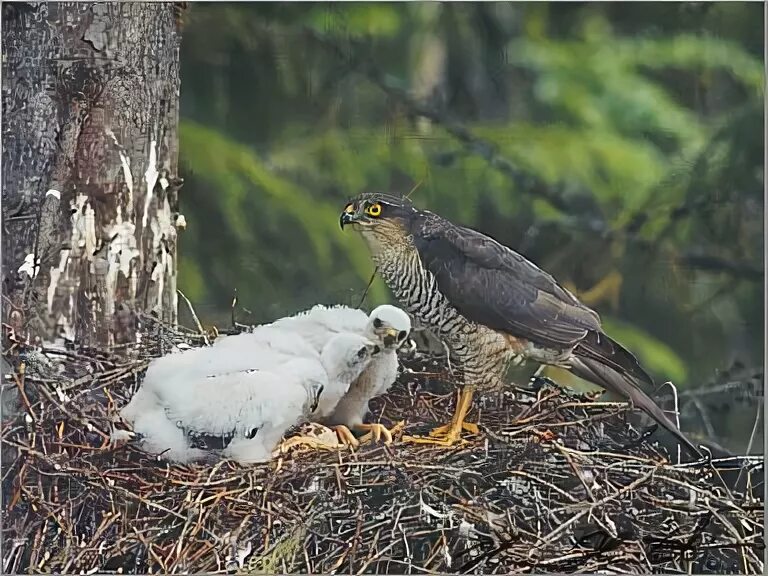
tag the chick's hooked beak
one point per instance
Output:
(349, 215)
(390, 337)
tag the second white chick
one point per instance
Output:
(231, 397)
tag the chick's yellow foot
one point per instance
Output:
(377, 431)
(346, 437)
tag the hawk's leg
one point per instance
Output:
(450, 434)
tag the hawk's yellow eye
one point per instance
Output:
(373, 210)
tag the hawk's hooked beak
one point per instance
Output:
(348, 216)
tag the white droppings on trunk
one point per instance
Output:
(150, 177)
(162, 226)
(83, 226)
(125, 162)
(122, 257)
(89, 219)
(56, 273)
(158, 277)
(181, 222)
(174, 293)
(82, 238)
(55, 193)
(163, 231)
(123, 253)
(123, 248)
(29, 266)
(447, 556)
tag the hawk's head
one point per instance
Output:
(381, 218)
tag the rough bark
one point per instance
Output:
(90, 186)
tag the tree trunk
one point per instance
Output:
(90, 150)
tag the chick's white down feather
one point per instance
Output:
(321, 322)
(254, 388)
(264, 348)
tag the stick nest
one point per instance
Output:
(555, 483)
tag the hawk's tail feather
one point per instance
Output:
(600, 347)
(604, 375)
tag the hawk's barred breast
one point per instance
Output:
(482, 351)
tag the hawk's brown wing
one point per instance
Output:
(492, 285)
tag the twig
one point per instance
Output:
(752, 437)
(368, 287)
(490, 501)
(195, 318)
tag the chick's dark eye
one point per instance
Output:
(402, 334)
(377, 323)
(362, 352)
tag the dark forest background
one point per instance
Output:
(617, 145)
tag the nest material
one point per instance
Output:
(555, 483)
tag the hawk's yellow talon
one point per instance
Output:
(470, 427)
(440, 431)
(450, 434)
(443, 430)
(448, 440)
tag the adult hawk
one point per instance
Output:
(491, 305)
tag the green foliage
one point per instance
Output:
(246, 194)
(689, 52)
(590, 86)
(356, 19)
